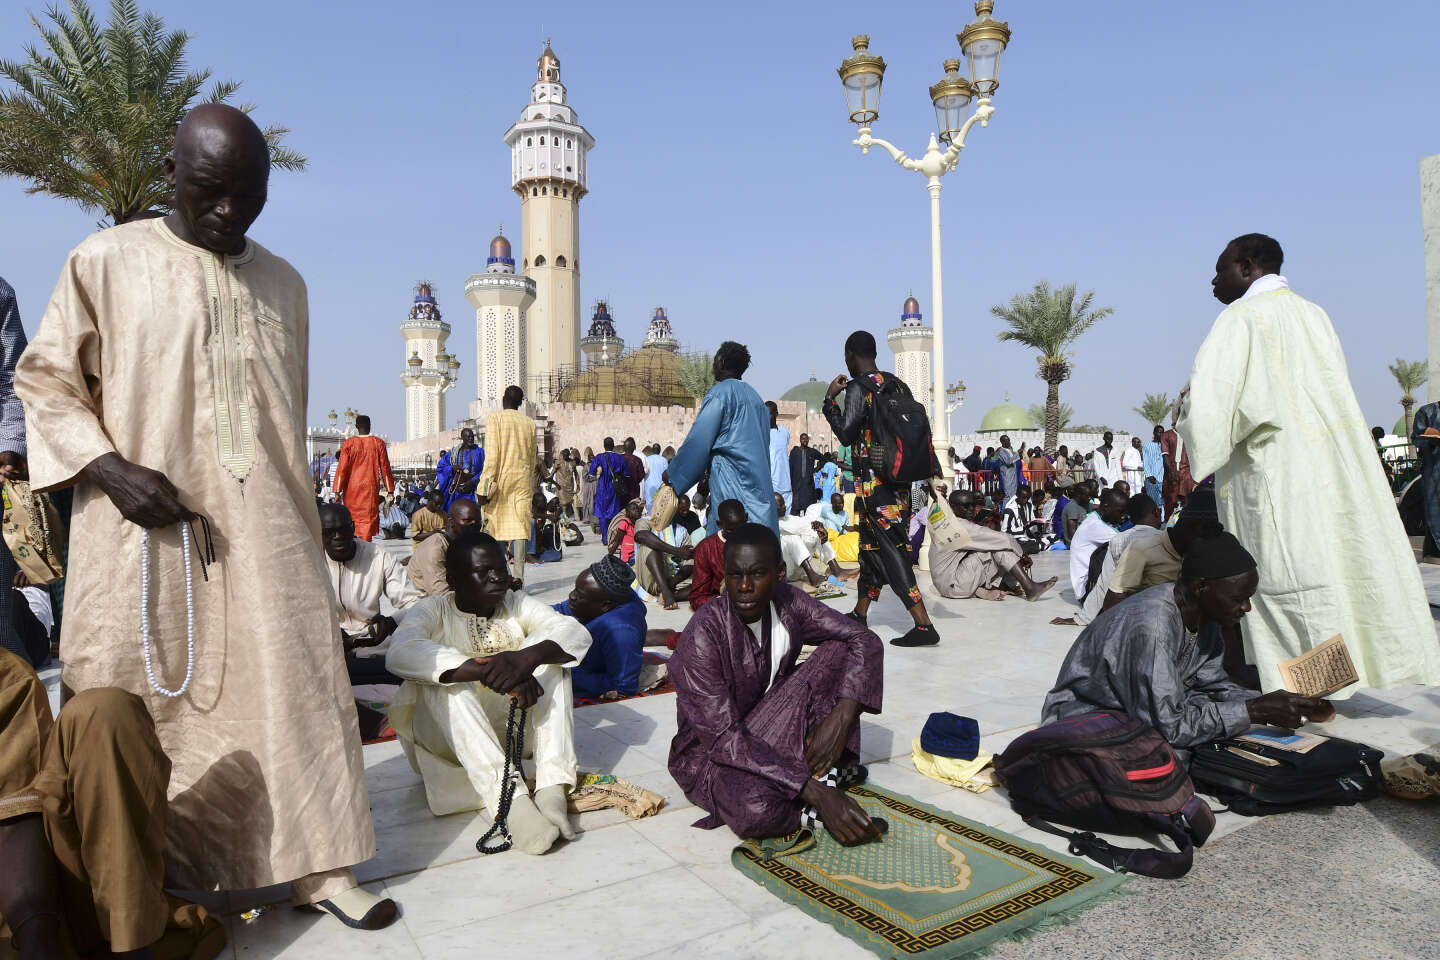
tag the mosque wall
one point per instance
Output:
(1430, 220)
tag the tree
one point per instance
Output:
(93, 117)
(1154, 410)
(1049, 321)
(1037, 414)
(696, 373)
(1410, 375)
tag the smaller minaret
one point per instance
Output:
(660, 335)
(602, 346)
(501, 298)
(429, 370)
(911, 343)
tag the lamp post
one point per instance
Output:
(955, 399)
(982, 42)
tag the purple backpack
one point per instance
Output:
(1109, 772)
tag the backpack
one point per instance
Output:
(1109, 772)
(900, 447)
(1334, 773)
(619, 490)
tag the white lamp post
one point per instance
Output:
(955, 399)
(982, 41)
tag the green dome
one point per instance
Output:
(812, 393)
(1006, 416)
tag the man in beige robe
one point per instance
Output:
(985, 564)
(168, 380)
(507, 481)
(427, 564)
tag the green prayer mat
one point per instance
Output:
(936, 886)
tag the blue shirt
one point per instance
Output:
(833, 519)
(731, 437)
(826, 480)
(617, 643)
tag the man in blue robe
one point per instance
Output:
(459, 469)
(1153, 458)
(605, 603)
(612, 482)
(1428, 418)
(731, 438)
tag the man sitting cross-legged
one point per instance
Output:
(709, 578)
(614, 615)
(464, 656)
(360, 575)
(805, 543)
(985, 565)
(1158, 657)
(427, 564)
(756, 730)
(430, 518)
(660, 561)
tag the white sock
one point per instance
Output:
(532, 832)
(551, 801)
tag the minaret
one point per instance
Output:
(660, 335)
(548, 149)
(429, 370)
(911, 342)
(602, 345)
(501, 300)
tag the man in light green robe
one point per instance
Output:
(1270, 411)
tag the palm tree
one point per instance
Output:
(1155, 408)
(1049, 321)
(93, 117)
(1037, 414)
(1411, 375)
(696, 373)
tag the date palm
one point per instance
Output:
(93, 115)
(1049, 322)
(1154, 410)
(1411, 376)
(696, 373)
(1037, 414)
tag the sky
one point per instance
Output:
(1130, 142)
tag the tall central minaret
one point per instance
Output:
(548, 149)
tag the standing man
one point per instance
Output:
(507, 483)
(1152, 455)
(731, 439)
(1106, 461)
(635, 470)
(883, 508)
(12, 462)
(1007, 465)
(1268, 384)
(219, 435)
(1178, 481)
(364, 469)
(1427, 418)
(803, 462)
(459, 469)
(1132, 463)
(655, 467)
(611, 484)
(779, 455)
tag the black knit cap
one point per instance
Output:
(614, 576)
(1215, 558)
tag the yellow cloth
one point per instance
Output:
(194, 364)
(957, 773)
(509, 475)
(847, 546)
(1272, 414)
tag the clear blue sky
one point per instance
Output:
(1131, 141)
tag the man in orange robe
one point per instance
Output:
(363, 468)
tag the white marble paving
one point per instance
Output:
(659, 887)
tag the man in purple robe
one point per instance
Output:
(757, 732)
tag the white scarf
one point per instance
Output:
(1267, 283)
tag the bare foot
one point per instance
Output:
(1039, 589)
(1064, 622)
(987, 593)
(849, 574)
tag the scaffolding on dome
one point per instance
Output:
(550, 387)
(643, 377)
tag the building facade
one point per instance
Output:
(502, 301)
(548, 150)
(911, 343)
(429, 371)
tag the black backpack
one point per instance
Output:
(619, 489)
(901, 450)
(1334, 773)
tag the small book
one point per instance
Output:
(1291, 741)
(1320, 671)
(1430, 432)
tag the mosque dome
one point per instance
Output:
(501, 259)
(1006, 416)
(1399, 430)
(812, 394)
(499, 247)
(643, 378)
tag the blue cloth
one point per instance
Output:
(949, 735)
(12, 344)
(1152, 460)
(546, 553)
(731, 437)
(617, 643)
(834, 520)
(1061, 502)
(607, 504)
(826, 479)
(657, 466)
(450, 465)
(780, 462)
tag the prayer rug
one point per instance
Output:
(651, 660)
(936, 886)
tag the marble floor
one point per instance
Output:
(660, 888)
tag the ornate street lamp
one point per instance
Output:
(983, 40)
(951, 97)
(862, 73)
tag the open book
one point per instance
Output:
(1321, 671)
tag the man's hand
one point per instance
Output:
(21, 581)
(505, 672)
(353, 641)
(143, 496)
(381, 628)
(528, 693)
(1288, 710)
(836, 385)
(826, 742)
(843, 817)
(14, 466)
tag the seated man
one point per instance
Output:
(836, 518)
(464, 656)
(620, 538)
(82, 828)
(661, 566)
(1158, 657)
(1156, 559)
(427, 563)
(1073, 513)
(360, 574)
(756, 730)
(803, 544)
(1145, 519)
(984, 567)
(430, 518)
(392, 520)
(1096, 531)
(545, 544)
(605, 603)
(686, 516)
(709, 576)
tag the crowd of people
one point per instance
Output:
(233, 760)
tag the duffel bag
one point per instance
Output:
(1255, 779)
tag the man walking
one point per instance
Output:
(364, 470)
(507, 483)
(459, 469)
(611, 485)
(803, 462)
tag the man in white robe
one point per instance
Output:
(168, 379)
(361, 575)
(1269, 389)
(464, 656)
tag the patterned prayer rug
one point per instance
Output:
(936, 886)
(651, 660)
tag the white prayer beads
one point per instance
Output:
(145, 613)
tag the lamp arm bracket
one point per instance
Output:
(865, 141)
